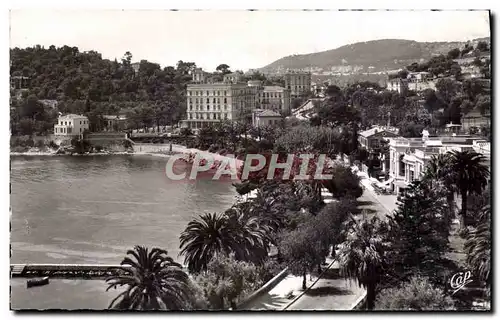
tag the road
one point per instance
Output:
(330, 292)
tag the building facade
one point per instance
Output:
(298, 83)
(199, 76)
(274, 98)
(261, 118)
(234, 77)
(114, 123)
(71, 125)
(213, 102)
(371, 139)
(410, 156)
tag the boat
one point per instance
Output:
(37, 282)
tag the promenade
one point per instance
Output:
(329, 291)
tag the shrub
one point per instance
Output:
(40, 144)
(29, 143)
(269, 269)
(227, 282)
(98, 148)
(53, 145)
(417, 295)
(222, 152)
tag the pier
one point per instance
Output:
(85, 271)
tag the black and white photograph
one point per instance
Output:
(250, 160)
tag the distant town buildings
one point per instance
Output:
(475, 119)
(19, 82)
(136, 66)
(415, 81)
(71, 125)
(49, 103)
(298, 83)
(234, 77)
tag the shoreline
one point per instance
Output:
(176, 149)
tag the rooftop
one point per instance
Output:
(114, 117)
(268, 113)
(273, 88)
(375, 130)
(72, 116)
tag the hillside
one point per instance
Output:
(85, 83)
(387, 54)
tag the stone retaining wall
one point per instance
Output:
(264, 289)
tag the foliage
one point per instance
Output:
(417, 294)
(362, 256)
(478, 247)
(223, 68)
(154, 281)
(344, 183)
(203, 238)
(227, 281)
(470, 176)
(85, 83)
(234, 232)
(475, 205)
(454, 53)
(80, 145)
(302, 251)
(418, 231)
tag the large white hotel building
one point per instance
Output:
(230, 99)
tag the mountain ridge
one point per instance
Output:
(382, 54)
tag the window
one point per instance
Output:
(218, 100)
(208, 107)
(214, 100)
(225, 107)
(190, 107)
(401, 165)
(218, 93)
(208, 100)
(196, 100)
(225, 100)
(207, 93)
(225, 116)
(225, 93)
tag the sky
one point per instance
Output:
(241, 39)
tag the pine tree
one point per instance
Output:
(418, 231)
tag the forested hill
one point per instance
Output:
(387, 54)
(84, 82)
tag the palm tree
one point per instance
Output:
(250, 236)
(478, 247)
(439, 168)
(154, 282)
(204, 238)
(470, 176)
(361, 256)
